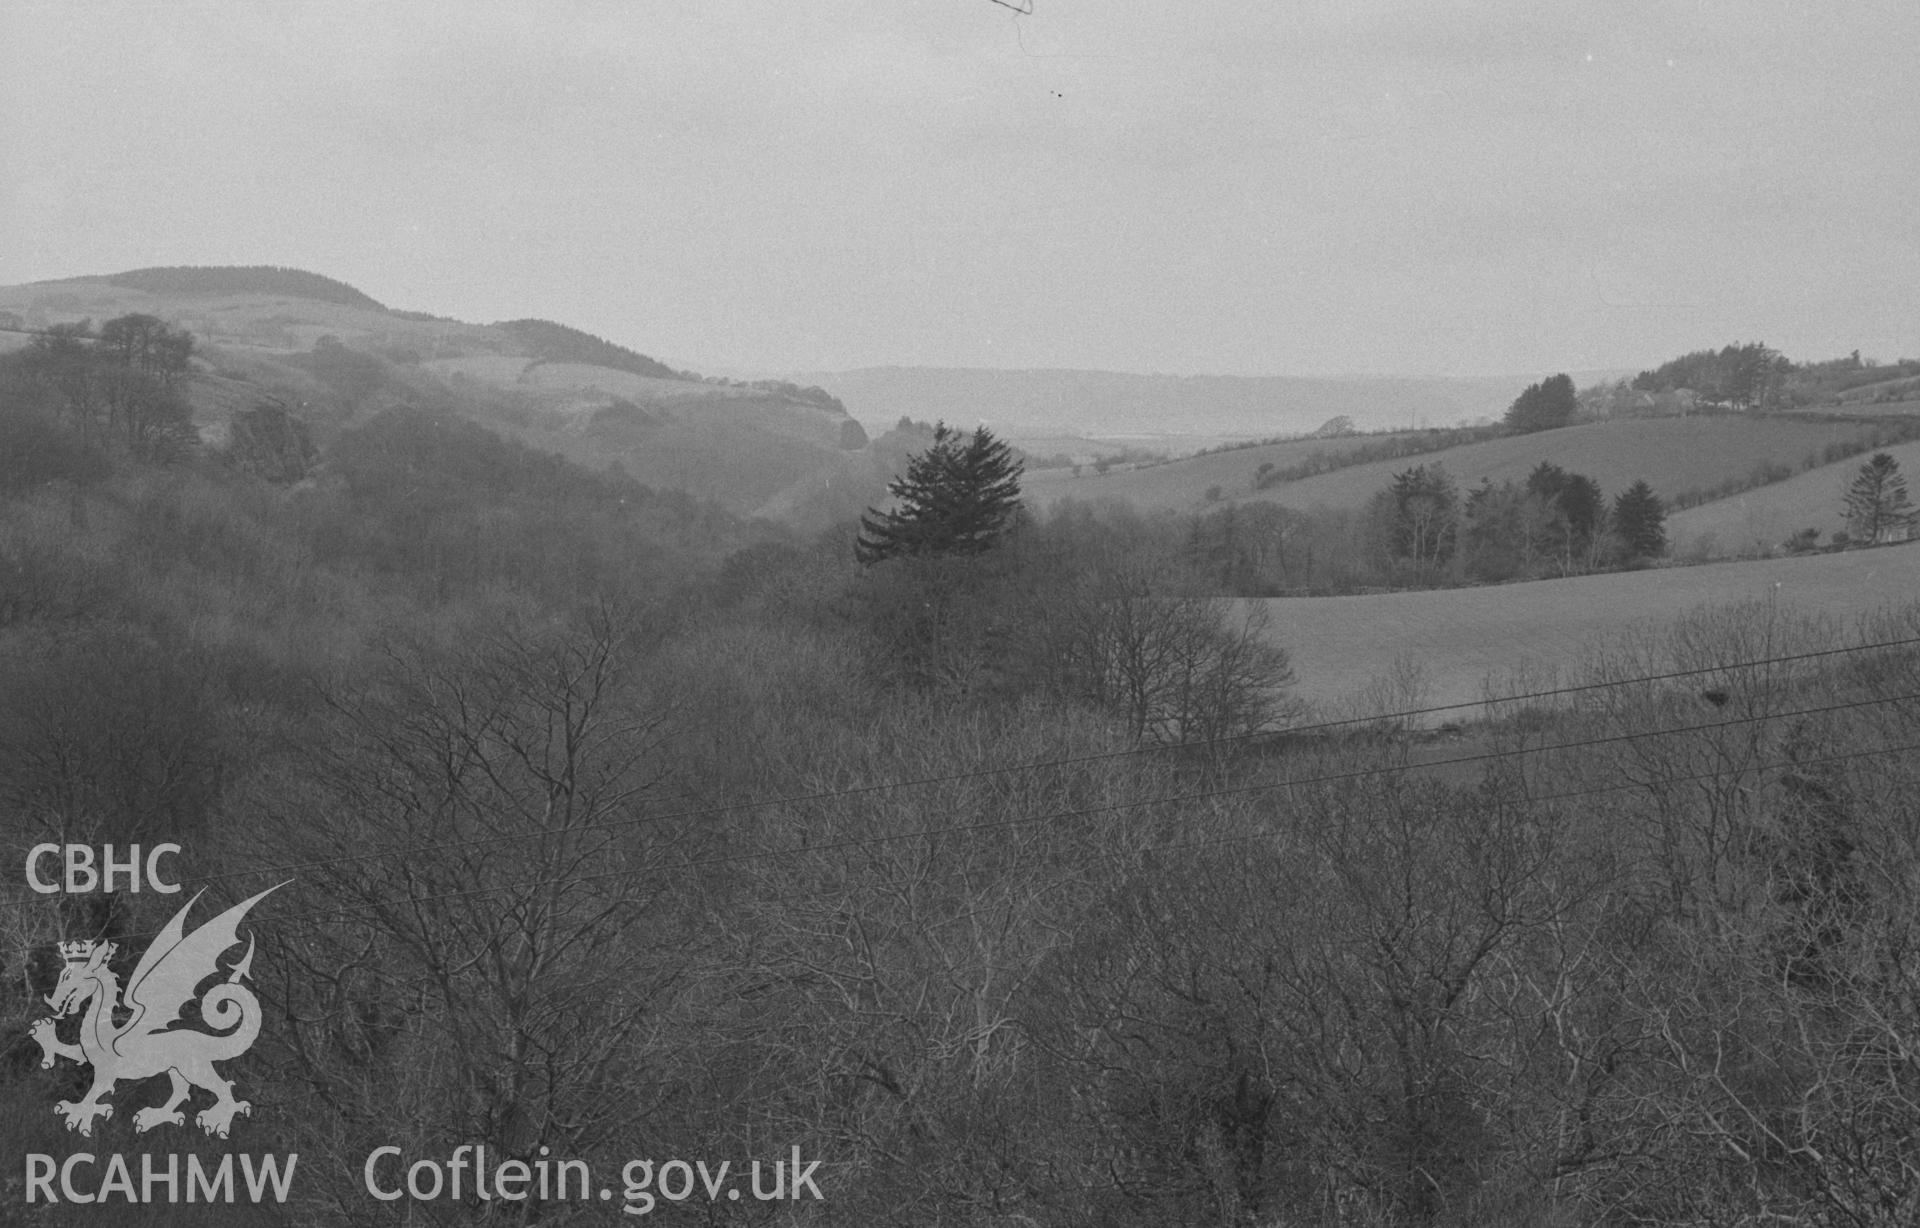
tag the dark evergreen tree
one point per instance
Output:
(1585, 508)
(1574, 499)
(960, 496)
(1878, 508)
(1641, 521)
(1426, 513)
(1543, 406)
(1499, 531)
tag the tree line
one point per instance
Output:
(1421, 530)
(1554, 523)
(120, 385)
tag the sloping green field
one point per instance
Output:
(1866, 409)
(1673, 455)
(1184, 483)
(1536, 632)
(1764, 518)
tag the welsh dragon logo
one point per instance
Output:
(148, 1043)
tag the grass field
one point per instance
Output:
(1764, 518)
(1867, 409)
(1674, 455)
(1344, 647)
(1085, 448)
(579, 377)
(512, 371)
(498, 369)
(1184, 483)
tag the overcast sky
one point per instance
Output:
(1231, 186)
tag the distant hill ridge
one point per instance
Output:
(1115, 402)
(198, 280)
(548, 341)
(552, 342)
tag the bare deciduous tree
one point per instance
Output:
(505, 960)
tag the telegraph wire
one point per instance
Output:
(1386, 718)
(1111, 807)
(1522, 803)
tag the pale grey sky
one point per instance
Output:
(1232, 186)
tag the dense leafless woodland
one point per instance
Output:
(1011, 886)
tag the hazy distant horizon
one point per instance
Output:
(1581, 378)
(748, 370)
(1230, 187)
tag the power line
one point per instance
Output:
(1077, 760)
(1201, 795)
(1235, 790)
(1540, 799)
